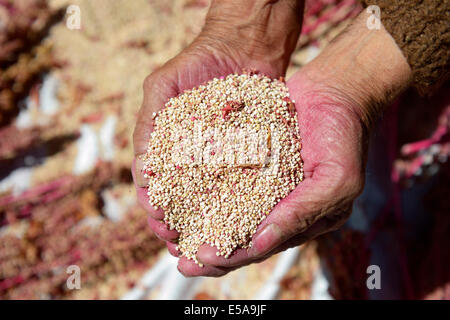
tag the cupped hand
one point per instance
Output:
(337, 96)
(223, 47)
(333, 150)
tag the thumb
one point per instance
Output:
(293, 220)
(307, 211)
(156, 93)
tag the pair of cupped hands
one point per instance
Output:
(333, 118)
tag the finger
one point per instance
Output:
(269, 235)
(242, 258)
(208, 256)
(328, 223)
(143, 198)
(190, 269)
(161, 230)
(323, 226)
(320, 227)
(288, 218)
(283, 228)
(138, 171)
(325, 192)
(172, 248)
(156, 93)
(157, 90)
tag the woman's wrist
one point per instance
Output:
(364, 66)
(258, 32)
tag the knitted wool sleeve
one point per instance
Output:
(421, 28)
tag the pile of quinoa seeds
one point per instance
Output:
(222, 155)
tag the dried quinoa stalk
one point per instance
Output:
(17, 79)
(24, 24)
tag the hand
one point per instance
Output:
(256, 34)
(337, 96)
(333, 140)
(334, 143)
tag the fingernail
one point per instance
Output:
(266, 240)
(139, 174)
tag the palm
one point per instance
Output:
(333, 154)
(194, 68)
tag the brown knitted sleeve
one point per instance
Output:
(421, 28)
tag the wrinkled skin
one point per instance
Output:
(333, 151)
